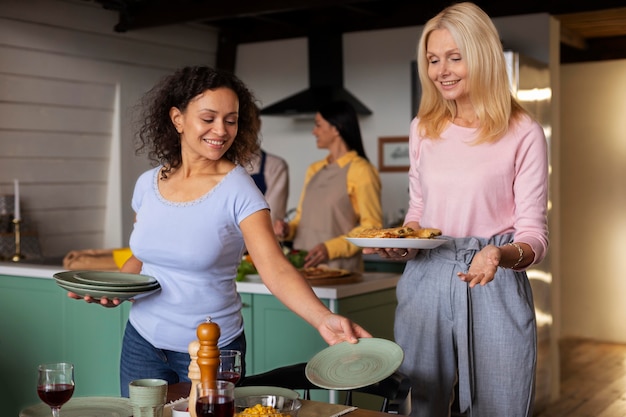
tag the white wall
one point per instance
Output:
(593, 194)
(68, 84)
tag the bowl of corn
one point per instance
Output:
(267, 406)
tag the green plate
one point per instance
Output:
(346, 366)
(113, 279)
(85, 406)
(97, 292)
(68, 278)
(254, 391)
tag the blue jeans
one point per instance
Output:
(142, 360)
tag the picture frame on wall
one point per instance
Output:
(393, 154)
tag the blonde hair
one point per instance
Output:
(488, 84)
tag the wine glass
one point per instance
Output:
(230, 366)
(55, 385)
(215, 400)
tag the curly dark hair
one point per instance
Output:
(157, 135)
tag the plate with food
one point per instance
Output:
(398, 237)
(319, 272)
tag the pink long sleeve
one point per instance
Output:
(482, 190)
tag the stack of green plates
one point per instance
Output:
(98, 284)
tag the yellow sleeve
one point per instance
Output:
(364, 189)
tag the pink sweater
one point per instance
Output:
(482, 190)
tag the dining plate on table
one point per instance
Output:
(85, 407)
(346, 366)
(412, 243)
(259, 390)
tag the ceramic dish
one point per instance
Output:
(95, 292)
(396, 242)
(85, 406)
(241, 392)
(68, 278)
(113, 279)
(346, 366)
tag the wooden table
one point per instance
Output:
(181, 390)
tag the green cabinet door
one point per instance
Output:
(41, 324)
(279, 337)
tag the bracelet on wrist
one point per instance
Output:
(519, 250)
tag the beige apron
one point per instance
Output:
(327, 213)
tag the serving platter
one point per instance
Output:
(404, 243)
(347, 365)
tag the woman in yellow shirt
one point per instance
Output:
(341, 194)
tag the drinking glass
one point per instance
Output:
(230, 366)
(55, 385)
(215, 400)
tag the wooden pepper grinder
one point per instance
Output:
(208, 352)
(194, 376)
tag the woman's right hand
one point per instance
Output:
(104, 301)
(392, 253)
(281, 229)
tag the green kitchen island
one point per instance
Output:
(41, 324)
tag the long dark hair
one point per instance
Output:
(342, 115)
(157, 133)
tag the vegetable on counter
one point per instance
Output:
(246, 266)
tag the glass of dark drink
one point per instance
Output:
(230, 366)
(55, 385)
(215, 400)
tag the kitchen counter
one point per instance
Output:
(371, 281)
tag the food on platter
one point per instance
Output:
(323, 272)
(398, 233)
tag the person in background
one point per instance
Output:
(195, 212)
(341, 194)
(479, 172)
(271, 174)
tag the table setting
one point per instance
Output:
(213, 372)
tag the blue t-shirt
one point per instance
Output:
(193, 250)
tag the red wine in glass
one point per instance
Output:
(229, 376)
(55, 385)
(55, 395)
(217, 406)
(230, 366)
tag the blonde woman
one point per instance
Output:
(479, 172)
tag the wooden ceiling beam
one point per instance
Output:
(144, 14)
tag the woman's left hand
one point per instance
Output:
(335, 328)
(316, 256)
(483, 268)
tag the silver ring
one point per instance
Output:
(405, 253)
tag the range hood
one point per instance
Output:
(325, 80)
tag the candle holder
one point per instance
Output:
(17, 256)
